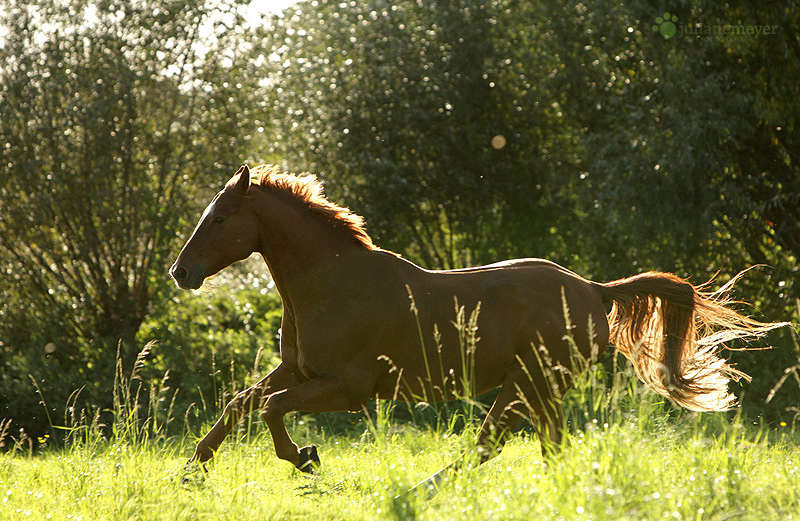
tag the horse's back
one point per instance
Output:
(523, 303)
(536, 290)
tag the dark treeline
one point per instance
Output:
(609, 136)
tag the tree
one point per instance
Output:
(396, 104)
(114, 115)
(684, 139)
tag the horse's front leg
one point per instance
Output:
(317, 395)
(242, 404)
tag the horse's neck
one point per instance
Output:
(297, 244)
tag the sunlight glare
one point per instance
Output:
(258, 7)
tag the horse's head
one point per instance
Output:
(227, 232)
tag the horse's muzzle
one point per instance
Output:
(182, 278)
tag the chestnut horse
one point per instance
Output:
(349, 334)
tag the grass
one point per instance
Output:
(697, 467)
(628, 457)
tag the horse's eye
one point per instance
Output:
(218, 220)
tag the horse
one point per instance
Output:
(360, 322)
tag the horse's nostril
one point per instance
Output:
(179, 273)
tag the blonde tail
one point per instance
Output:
(673, 332)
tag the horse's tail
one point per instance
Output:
(673, 332)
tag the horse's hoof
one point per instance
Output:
(430, 486)
(309, 460)
(193, 473)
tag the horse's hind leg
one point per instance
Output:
(506, 412)
(548, 421)
(542, 391)
(526, 390)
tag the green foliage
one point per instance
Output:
(622, 151)
(113, 119)
(648, 143)
(396, 104)
(684, 147)
(216, 342)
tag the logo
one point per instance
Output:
(665, 25)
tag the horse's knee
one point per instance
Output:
(271, 409)
(235, 405)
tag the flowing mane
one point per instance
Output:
(306, 188)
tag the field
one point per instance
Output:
(648, 463)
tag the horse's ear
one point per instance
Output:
(244, 179)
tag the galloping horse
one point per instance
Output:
(348, 333)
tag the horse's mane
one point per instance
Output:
(307, 189)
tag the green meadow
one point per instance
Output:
(640, 460)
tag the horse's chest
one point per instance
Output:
(296, 361)
(293, 356)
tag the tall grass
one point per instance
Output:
(698, 467)
(628, 456)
